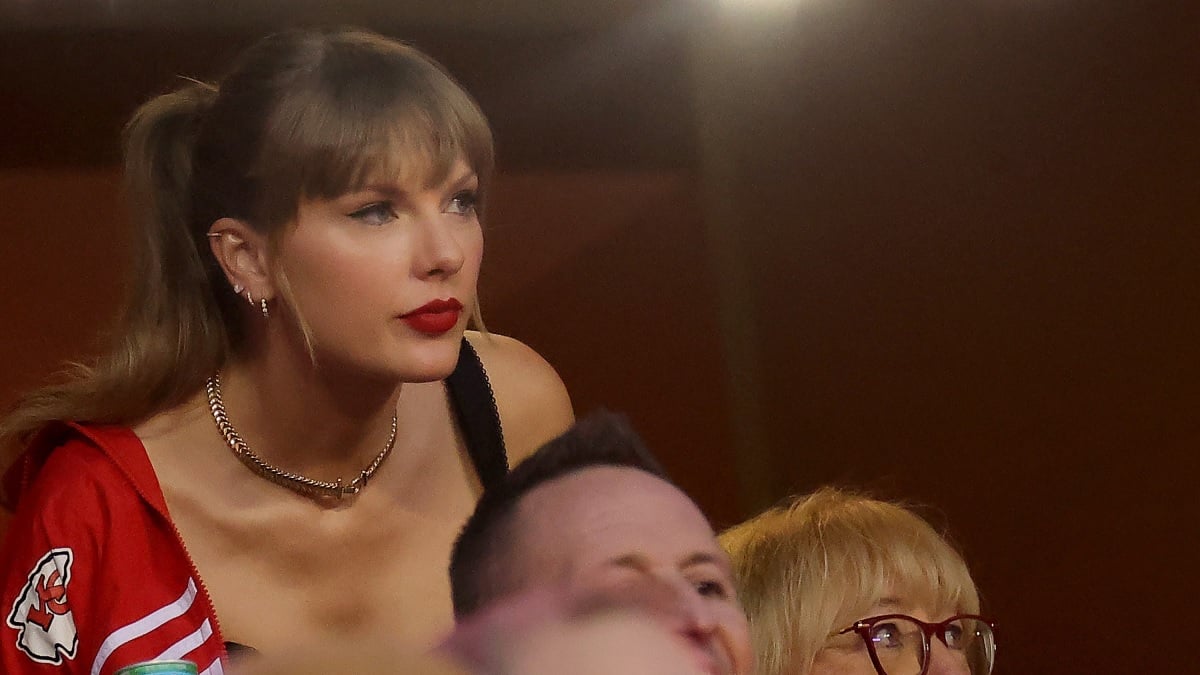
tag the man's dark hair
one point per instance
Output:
(479, 556)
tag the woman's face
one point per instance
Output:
(385, 276)
(848, 655)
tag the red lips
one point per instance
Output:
(434, 318)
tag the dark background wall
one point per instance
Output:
(943, 250)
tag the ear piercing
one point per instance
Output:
(237, 288)
(261, 304)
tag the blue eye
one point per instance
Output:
(463, 203)
(378, 213)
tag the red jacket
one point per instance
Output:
(93, 573)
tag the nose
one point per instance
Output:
(946, 661)
(700, 621)
(438, 250)
(689, 615)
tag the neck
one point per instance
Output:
(323, 423)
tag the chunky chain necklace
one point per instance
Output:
(293, 481)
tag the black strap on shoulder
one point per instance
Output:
(475, 405)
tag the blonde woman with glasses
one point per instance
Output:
(835, 583)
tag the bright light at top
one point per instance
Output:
(751, 5)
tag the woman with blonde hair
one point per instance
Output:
(292, 420)
(838, 583)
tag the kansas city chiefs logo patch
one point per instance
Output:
(41, 613)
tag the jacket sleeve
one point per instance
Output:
(49, 571)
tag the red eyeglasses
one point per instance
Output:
(900, 644)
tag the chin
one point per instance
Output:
(419, 377)
(429, 363)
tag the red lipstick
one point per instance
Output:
(434, 318)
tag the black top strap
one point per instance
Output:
(475, 405)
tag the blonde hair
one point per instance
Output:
(811, 567)
(302, 114)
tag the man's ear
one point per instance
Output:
(242, 253)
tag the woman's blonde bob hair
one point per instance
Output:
(820, 562)
(303, 114)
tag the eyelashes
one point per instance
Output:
(378, 213)
(462, 203)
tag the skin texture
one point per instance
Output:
(622, 537)
(556, 631)
(375, 657)
(847, 655)
(358, 262)
(283, 569)
(625, 643)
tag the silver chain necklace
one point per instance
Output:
(293, 481)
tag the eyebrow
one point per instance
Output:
(468, 176)
(393, 191)
(454, 182)
(633, 561)
(638, 562)
(705, 558)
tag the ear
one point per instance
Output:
(242, 253)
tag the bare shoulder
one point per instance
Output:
(532, 400)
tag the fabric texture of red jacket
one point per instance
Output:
(93, 574)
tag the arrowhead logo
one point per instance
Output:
(52, 600)
(41, 613)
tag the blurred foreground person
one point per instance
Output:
(632, 630)
(356, 657)
(839, 584)
(587, 558)
(540, 633)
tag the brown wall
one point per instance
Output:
(62, 260)
(970, 233)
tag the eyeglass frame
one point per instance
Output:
(863, 627)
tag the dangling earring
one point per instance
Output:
(262, 304)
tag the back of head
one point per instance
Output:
(480, 569)
(811, 567)
(302, 114)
